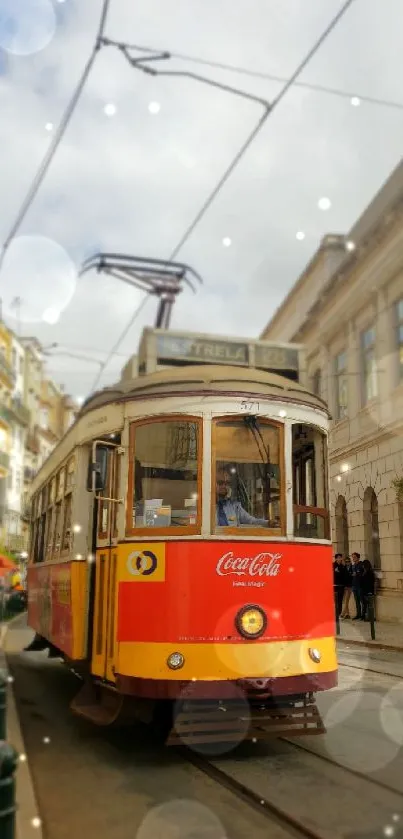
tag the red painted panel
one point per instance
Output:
(49, 604)
(206, 583)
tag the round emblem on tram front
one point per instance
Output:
(141, 563)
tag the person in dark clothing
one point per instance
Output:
(367, 587)
(356, 572)
(348, 582)
(338, 582)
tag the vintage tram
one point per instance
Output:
(180, 557)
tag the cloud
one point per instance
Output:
(133, 182)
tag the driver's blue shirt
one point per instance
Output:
(232, 514)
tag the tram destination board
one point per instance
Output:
(276, 358)
(186, 349)
(201, 350)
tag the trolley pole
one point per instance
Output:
(8, 765)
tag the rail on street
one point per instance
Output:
(124, 782)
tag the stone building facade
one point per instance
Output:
(347, 310)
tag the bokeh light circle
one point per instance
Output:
(38, 273)
(182, 818)
(26, 26)
(370, 750)
(392, 714)
(225, 709)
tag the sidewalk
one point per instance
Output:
(28, 824)
(387, 635)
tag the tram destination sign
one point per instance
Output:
(204, 350)
(276, 358)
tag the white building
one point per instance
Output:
(347, 310)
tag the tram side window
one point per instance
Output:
(40, 538)
(248, 479)
(165, 474)
(310, 492)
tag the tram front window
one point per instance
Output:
(247, 474)
(165, 475)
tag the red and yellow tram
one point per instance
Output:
(180, 555)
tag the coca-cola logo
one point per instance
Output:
(261, 565)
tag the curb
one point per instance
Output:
(27, 807)
(370, 645)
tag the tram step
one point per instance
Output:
(97, 704)
(207, 723)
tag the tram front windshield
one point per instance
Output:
(247, 474)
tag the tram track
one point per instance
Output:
(273, 809)
(369, 670)
(269, 809)
(355, 772)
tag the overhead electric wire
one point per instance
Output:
(260, 74)
(245, 146)
(47, 160)
(252, 136)
(113, 351)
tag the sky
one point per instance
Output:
(130, 181)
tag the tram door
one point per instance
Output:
(106, 557)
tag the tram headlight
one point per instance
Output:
(251, 622)
(175, 661)
(315, 655)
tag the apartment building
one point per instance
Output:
(34, 414)
(7, 379)
(347, 310)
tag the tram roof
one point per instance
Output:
(174, 381)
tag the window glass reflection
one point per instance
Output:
(247, 479)
(165, 487)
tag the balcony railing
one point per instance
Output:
(19, 412)
(6, 369)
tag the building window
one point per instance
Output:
(371, 528)
(342, 546)
(44, 418)
(341, 385)
(399, 336)
(368, 354)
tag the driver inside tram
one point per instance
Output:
(231, 513)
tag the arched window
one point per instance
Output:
(371, 528)
(341, 526)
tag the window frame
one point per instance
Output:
(248, 531)
(340, 375)
(365, 399)
(399, 341)
(182, 530)
(319, 512)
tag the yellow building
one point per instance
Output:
(347, 310)
(7, 378)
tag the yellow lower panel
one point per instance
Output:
(227, 661)
(79, 586)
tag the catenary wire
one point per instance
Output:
(47, 160)
(260, 74)
(115, 347)
(245, 146)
